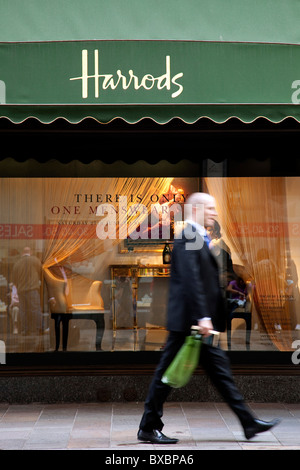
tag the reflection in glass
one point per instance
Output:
(120, 297)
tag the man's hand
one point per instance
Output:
(205, 326)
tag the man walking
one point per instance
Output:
(195, 298)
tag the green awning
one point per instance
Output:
(160, 60)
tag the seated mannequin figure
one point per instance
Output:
(72, 296)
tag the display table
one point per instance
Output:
(64, 318)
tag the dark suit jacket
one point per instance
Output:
(195, 290)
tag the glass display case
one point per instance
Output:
(139, 304)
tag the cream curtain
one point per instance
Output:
(252, 214)
(83, 192)
(57, 218)
(64, 209)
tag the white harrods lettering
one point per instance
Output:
(125, 81)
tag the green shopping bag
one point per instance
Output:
(185, 362)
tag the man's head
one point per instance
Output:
(202, 209)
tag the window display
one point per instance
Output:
(84, 265)
(259, 219)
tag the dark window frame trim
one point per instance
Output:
(136, 363)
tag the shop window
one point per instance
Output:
(260, 228)
(104, 286)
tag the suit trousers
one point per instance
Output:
(217, 366)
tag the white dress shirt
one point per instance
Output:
(201, 230)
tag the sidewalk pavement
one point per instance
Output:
(113, 426)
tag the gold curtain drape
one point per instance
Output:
(57, 218)
(62, 212)
(252, 214)
(83, 193)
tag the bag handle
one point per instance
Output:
(211, 332)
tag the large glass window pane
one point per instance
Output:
(79, 257)
(69, 282)
(259, 222)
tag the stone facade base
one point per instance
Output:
(56, 389)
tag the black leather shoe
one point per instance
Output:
(155, 437)
(259, 426)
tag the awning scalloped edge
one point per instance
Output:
(160, 122)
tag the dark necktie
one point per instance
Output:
(207, 240)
